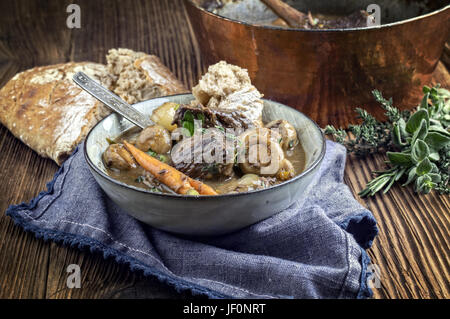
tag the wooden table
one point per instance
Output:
(412, 249)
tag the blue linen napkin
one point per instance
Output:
(313, 249)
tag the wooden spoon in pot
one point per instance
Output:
(293, 17)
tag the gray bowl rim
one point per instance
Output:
(307, 171)
(324, 30)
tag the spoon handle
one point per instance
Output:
(111, 100)
(292, 16)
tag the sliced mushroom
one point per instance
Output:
(155, 138)
(260, 153)
(288, 133)
(116, 156)
(263, 134)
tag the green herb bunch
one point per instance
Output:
(417, 145)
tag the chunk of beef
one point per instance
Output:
(205, 155)
(198, 111)
(212, 117)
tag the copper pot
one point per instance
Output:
(327, 73)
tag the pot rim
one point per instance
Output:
(387, 25)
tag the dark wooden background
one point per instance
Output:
(412, 249)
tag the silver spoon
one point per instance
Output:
(111, 100)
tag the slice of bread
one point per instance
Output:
(47, 111)
(138, 76)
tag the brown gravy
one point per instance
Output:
(135, 176)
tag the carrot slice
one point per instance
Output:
(168, 175)
(202, 188)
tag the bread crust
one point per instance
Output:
(159, 75)
(45, 109)
(138, 76)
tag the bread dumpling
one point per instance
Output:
(228, 87)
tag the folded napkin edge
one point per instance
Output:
(364, 290)
(82, 242)
(363, 227)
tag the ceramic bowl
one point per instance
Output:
(204, 215)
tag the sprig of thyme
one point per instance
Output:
(417, 145)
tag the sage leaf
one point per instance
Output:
(401, 159)
(434, 156)
(415, 120)
(420, 151)
(435, 178)
(421, 132)
(439, 130)
(424, 102)
(397, 135)
(411, 176)
(443, 92)
(424, 184)
(402, 125)
(434, 168)
(435, 124)
(424, 167)
(437, 140)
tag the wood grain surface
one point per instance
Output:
(412, 249)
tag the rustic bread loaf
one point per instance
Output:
(45, 109)
(138, 76)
